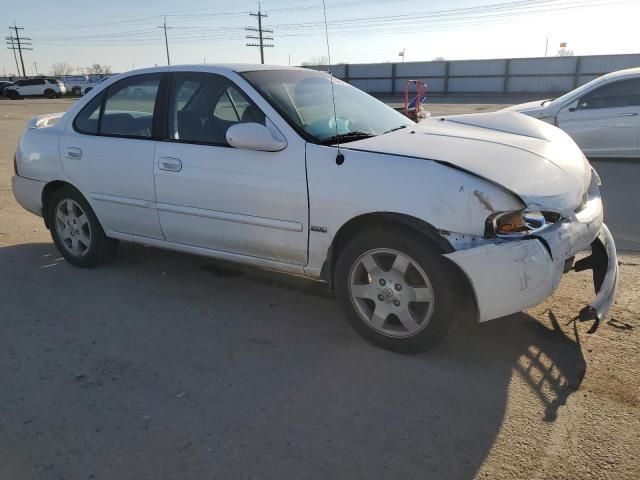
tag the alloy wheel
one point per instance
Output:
(391, 292)
(73, 228)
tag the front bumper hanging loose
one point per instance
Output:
(510, 276)
(603, 261)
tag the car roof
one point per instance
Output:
(237, 67)
(218, 68)
(622, 73)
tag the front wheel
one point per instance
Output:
(395, 289)
(12, 95)
(76, 231)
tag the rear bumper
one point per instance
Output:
(28, 193)
(509, 276)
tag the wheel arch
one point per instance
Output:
(412, 224)
(377, 220)
(48, 190)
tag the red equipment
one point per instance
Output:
(412, 108)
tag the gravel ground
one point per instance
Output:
(164, 365)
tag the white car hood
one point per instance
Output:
(537, 162)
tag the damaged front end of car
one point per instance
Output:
(525, 252)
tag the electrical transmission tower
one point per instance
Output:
(15, 42)
(260, 31)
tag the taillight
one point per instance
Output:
(15, 164)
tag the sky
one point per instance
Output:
(126, 34)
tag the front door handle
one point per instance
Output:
(169, 164)
(73, 153)
(632, 114)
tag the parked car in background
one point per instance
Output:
(255, 164)
(3, 85)
(602, 116)
(76, 84)
(35, 87)
(95, 81)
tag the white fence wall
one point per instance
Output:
(509, 75)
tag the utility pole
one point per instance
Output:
(16, 43)
(260, 31)
(546, 47)
(166, 41)
(15, 57)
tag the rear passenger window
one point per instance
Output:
(129, 107)
(87, 120)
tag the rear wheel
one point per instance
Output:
(49, 93)
(76, 231)
(395, 289)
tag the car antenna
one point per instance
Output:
(340, 156)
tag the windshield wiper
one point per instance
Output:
(346, 137)
(397, 128)
(546, 102)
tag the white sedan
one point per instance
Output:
(602, 116)
(251, 164)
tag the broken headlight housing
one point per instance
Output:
(519, 223)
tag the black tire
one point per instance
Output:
(76, 91)
(12, 94)
(49, 93)
(420, 250)
(101, 248)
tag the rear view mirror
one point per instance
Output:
(254, 136)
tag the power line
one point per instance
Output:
(396, 24)
(490, 11)
(261, 31)
(14, 43)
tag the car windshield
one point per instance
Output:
(304, 98)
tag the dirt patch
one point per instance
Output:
(165, 365)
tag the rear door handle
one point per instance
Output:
(633, 114)
(169, 164)
(73, 153)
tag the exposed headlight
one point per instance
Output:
(519, 223)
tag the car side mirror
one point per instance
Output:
(574, 106)
(578, 105)
(254, 136)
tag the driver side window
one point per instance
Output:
(624, 93)
(203, 106)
